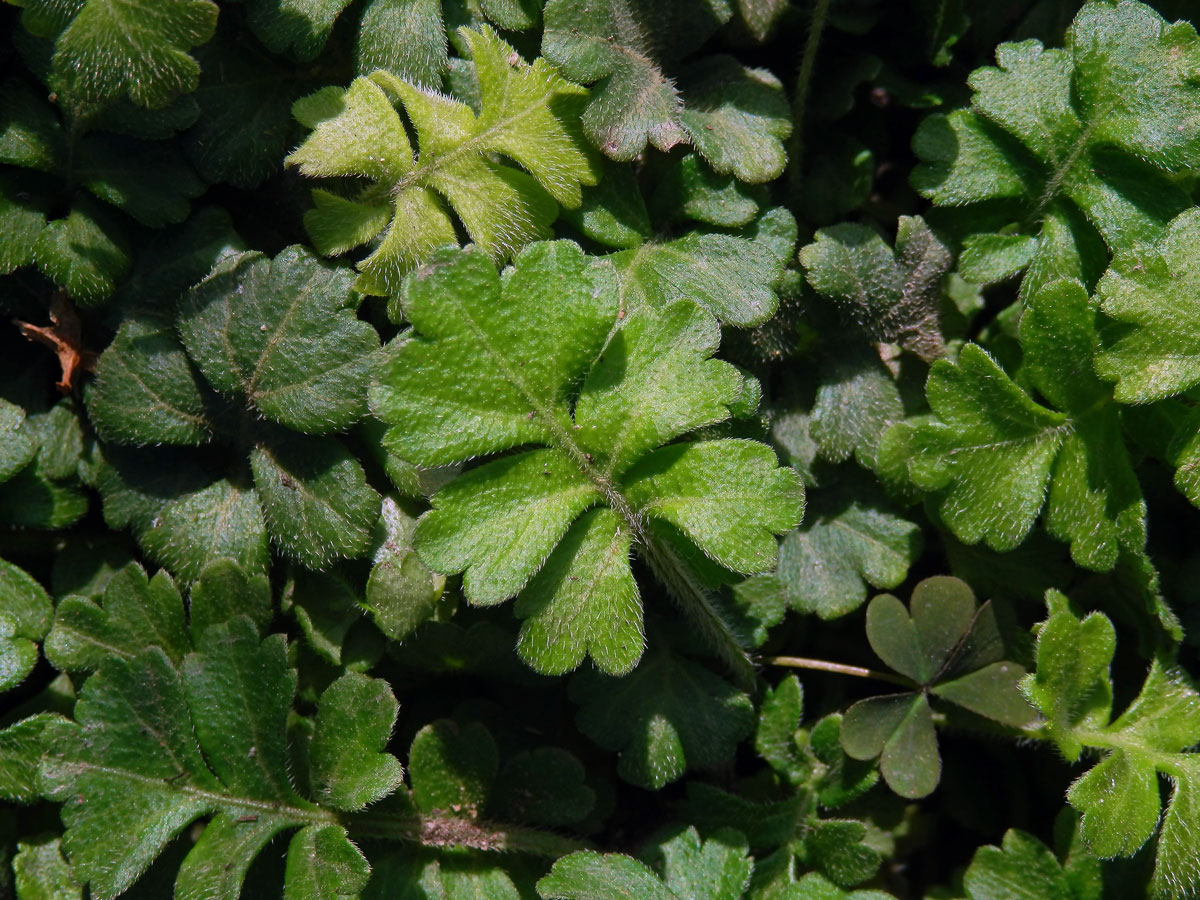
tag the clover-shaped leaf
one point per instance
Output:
(950, 649)
(543, 356)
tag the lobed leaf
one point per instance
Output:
(527, 113)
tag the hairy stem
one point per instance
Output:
(808, 61)
(821, 665)
(695, 602)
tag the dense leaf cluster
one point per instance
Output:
(721, 337)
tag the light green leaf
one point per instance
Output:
(500, 360)
(528, 114)
(670, 715)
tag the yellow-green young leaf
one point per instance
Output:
(543, 356)
(1148, 294)
(25, 613)
(670, 715)
(139, 47)
(528, 114)
(1073, 142)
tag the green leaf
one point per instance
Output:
(544, 787)
(301, 26)
(715, 869)
(17, 447)
(137, 613)
(224, 590)
(85, 253)
(315, 498)
(737, 118)
(25, 614)
(150, 181)
(245, 126)
(601, 876)
(1075, 141)
(730, 276)
(146, 391)
(322, 862)
(624, 47)
(407, 37)
(528, 113)
(851, 538)
(670, 715)
(1150, 350)
(182, 516)
(891, 295)
(857, 401)
(138, 47)
(153, 749)
(1022, 868)
(354, 722)
(41, 873)
(1071, 686)
(775, 739)
(21, 750)
(950, 649)
(897, 728)
(494, 364)
(282, 333)
(401, 592)
(452, 768)
(989, 457)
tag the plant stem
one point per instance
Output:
(808, 61)
(820, 665)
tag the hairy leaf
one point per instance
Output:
(499, 360)
(1073, 142)
(528, 114)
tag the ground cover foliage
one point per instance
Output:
(683, 450)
